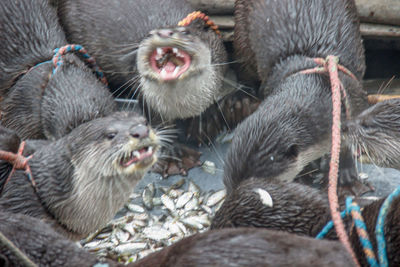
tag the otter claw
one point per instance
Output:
(180, 160)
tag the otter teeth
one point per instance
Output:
(175, 50)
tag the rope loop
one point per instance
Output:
(331, 66)
(59, 53)
(199, 15)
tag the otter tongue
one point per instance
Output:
(168, 71)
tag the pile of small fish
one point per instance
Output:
(179, 213)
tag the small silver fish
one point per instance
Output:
(216, 197)
(182, 200)
(168, 202)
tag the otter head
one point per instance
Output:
(276, 142)
(109, 156)
(374, 135)
(181, 69)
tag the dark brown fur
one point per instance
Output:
(248, 247)
(40, 243)
(295, 208)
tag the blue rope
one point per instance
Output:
(60, 52)
(329, 226)
(361, 230)
(379, 228)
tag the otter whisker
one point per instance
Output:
(215, 150)
(239, 87)
(386, 85)
(222, 114)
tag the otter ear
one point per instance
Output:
(292, 151)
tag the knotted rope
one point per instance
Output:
(199, 15)
(19, 162)
(354, 210)
(59, 54)
(62, 51)
(331, 66)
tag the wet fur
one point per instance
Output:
(39, 106)
(111, 31)
(248, 247)
(40, 243)
(29, 32)
(376, 131)
(296, 208)
(79, 187)
(293, 124)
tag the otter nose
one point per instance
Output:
(139, 131)
(347, 125)
(165, 33)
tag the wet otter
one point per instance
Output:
(248, 247)
(84, 178)
(40, 243)
(375, 133)
(179, 68)
(289, 207)
(293, 125)
(36, 105)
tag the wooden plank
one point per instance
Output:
(368, 30)
(371, 11)
(214, 6)
(379, 11)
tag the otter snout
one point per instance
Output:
(164, 33)
(139, 131)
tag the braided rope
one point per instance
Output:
(354, 210)
(199, 15)
(330, 65)
(19, 162)
(62, 51)
(379, 228)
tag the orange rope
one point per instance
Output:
(331, 66)
(199, 15)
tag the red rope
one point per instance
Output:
(199, 15)
(331, 66)
(19, 162)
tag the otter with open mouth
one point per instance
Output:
(374, 135)
(181, 69)
(85, 177)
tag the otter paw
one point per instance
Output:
(349, 184)
(177, 160)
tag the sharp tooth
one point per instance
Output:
(159, 51)
(150, 149)
(176, 71)
(175, 50)
(163, 73)
(136, 154)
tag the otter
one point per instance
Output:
(248, 247)
(37, 103)
(85, 177)
(374, 134)
(179, 69)
(40, 243)
(292, 126)
(289, 207)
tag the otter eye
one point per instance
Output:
(111, 135)
(185, 31)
